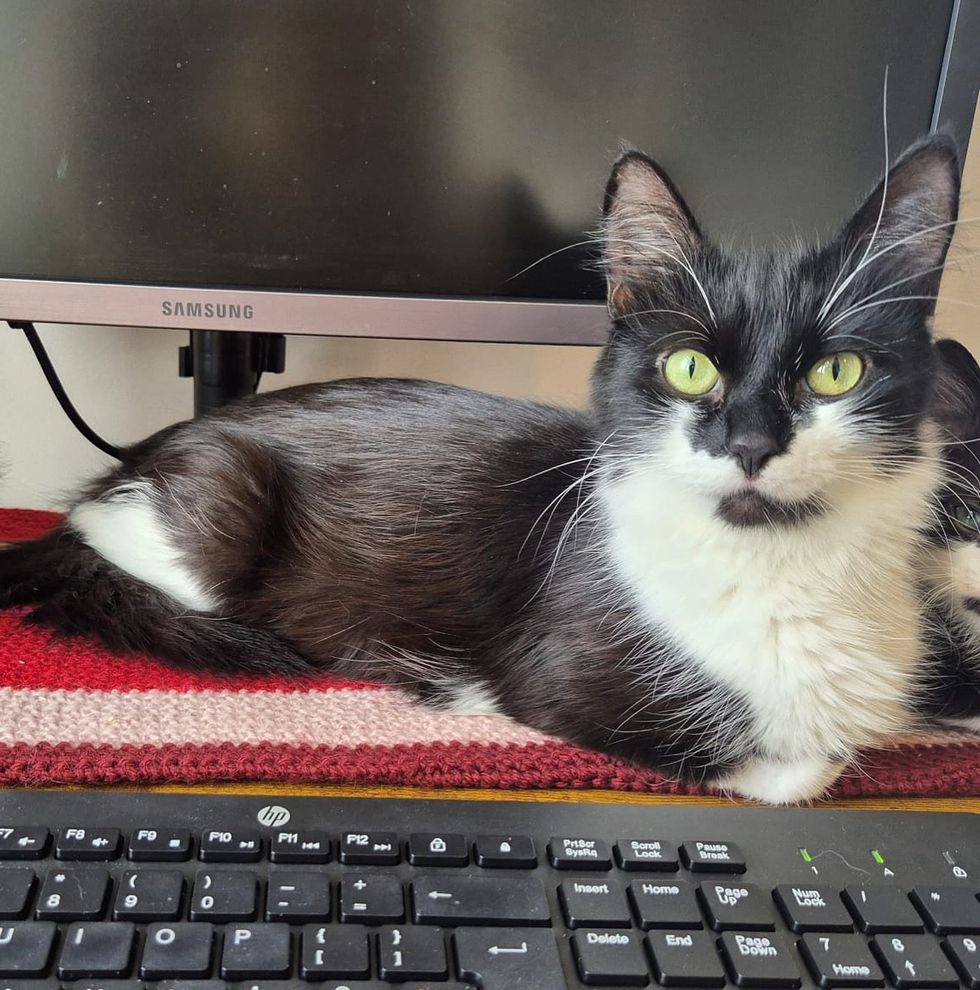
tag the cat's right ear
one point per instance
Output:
(648, 231)
(956, 395)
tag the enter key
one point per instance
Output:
(509, 958)
(466, 900)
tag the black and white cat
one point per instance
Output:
(951, 557)
(711, 572)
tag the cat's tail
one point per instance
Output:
(75, 591)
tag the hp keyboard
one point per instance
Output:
(121, 891)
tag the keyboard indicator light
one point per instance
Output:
(807, 858)
(877, 857)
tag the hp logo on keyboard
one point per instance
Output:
(273, 815)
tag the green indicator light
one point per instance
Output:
(877, 857)
(807, 858)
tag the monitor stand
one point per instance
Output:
(228, 364)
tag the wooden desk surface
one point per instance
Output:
(969, 804)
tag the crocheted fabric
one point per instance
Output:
(71, 713)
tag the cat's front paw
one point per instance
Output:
(776, 782)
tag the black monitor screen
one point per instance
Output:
(432, 146)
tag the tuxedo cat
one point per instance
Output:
(951, 562)
(710, 572)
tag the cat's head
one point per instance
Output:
(953, 565)
(770, 385)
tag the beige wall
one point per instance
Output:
(124, 381)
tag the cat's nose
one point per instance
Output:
(752, 449)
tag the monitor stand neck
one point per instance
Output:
(227, 365)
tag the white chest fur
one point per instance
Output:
(816, 626)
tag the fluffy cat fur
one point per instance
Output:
(951, 556)
(723, 588)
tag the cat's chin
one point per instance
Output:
(748, 507)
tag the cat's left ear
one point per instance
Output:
(649, 234)
(903, 229)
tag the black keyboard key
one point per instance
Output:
(948, 910)
(97, 984)
(914, 961)
(300, 847)
(87, 843)
(742, 906)
(646, 856)
(965, 954)
(255, 952)
(579, 854)
(505, 851)
(160, 845)
(610, 958)
(685, 959)
(16, 887)
(882, 909)
(191, 985)
(25, 948)
(73, 895)
(177, 951)
(96, 948)
(223, 895)
(298, 897)
(371, 898)
(445, 849)
(149, 895)
(479, 900)
(340, 950)
(712, 857)
(758, 960)
(412, 954)
(369, 848)
(664, 904)
(812, 909)
(840, 960)
(22, 842)
(242, 845)
(593, 902)
(511, 958)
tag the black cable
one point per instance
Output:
(30, 332)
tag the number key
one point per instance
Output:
(149, 895)
(223, 896)
(914, 961)
(15, 891)
(73, 895)
(840, 960)
(964, 950)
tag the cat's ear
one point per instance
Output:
(903, 229)
(956, 394)
(648, 230)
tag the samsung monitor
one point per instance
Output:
(428, 168)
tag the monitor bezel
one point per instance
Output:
(415, 317)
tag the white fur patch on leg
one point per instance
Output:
(782, 783)
(970, 724)
(471, 698)
(125, 528)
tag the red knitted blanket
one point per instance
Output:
(71, 713)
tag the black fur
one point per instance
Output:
(431, 536)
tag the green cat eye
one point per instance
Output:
(690, 372)
(835, 374)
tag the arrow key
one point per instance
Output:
(516, 958)
(913, 961)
